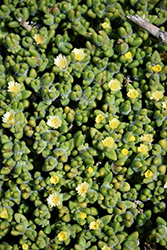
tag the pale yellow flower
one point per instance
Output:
(165, 185)
(105, 25)
(132, 93)
(148, 173)
(147, 138)
(128, 55)
(79, 54)
(94, 224)
(157, 68)
(62, 236)
(82, 188)
(54, 179)
(54, 200)
(14, 87)
(114, 85)
(99, 118)
(106, 248)
(82, 215)
(108, 142)
(114, 123)
(9, 117)
(39, 39)
(24, 246)
(142, 149)
(61, 62)
(54, 122)
(156, 95)
(3, 213)
(124, 152)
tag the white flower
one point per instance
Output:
(54, 121)
(54, 200)
(82, 188)
(61, 62)
(14, 87)
(79, 54)
(164, 104)
(156, 95)
(39, 39)
(9, 117)
(165, 185)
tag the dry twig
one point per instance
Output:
(152, 29)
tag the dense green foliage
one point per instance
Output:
(83, 132)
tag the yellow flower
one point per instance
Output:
(164, 104)
(94, 224)
(165, 185)
(82, 215)
(132, 93)
(54, 200)
(61, 62)
(9, 117)
(157, 68)
(79, 54)
(54, 122)
(62, 236)
(90, 170)
(124, 152)
(106, 248)
(113, 124)
(108, 142)
(148, 173)
(39, 39)
(128, 55)
(142, 149)
(24, 246)
(99, 118)
(147, 138)
(157, 95)
(54, 179)
(82, 188)
(3, 213)
(114, 85)
(14, 87)
(105, 25)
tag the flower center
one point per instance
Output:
(62, 64)
(54, 200)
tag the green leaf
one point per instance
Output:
(41, 106)
(26, 94)
(106, 219)
(111, 155)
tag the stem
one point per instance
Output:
(152, 29)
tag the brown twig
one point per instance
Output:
(152, 29)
